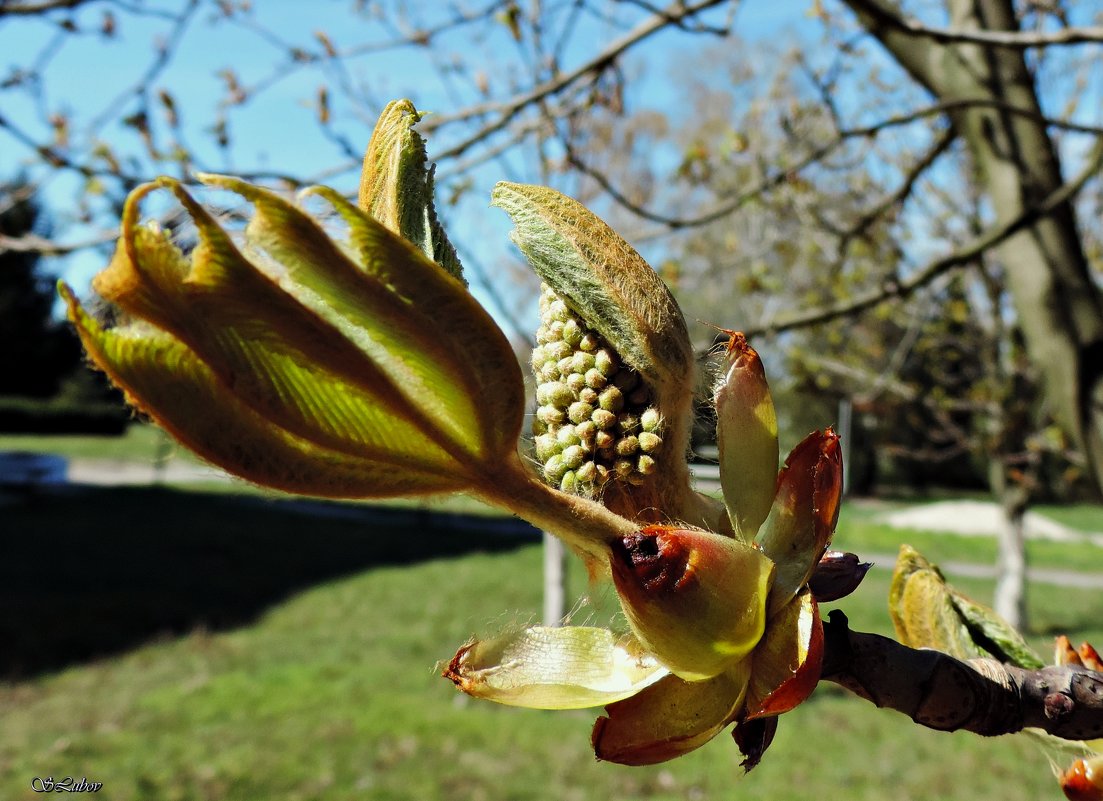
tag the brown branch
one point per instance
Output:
(38, 8)
(814, 156)
(30, 243)
(1017, 40)
(506, 110)
(981, 695)
(967, 253)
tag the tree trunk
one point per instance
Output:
(555, 581)
(1010, 595)
(1059, 307)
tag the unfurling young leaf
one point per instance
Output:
(348, 388)
(929, 613)
(396, 185)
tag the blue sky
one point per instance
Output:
(89, 74)
(278, 129)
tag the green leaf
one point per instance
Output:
(603, 279)
(417, 324)
(572, 667)
(333, 344)
(396, 185)
(164, 378)
(995, 634)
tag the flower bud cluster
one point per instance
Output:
(595, 420)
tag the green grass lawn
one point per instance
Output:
(140, 443)
(247, 651)
(860, 531)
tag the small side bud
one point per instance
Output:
(746, 435)
(837, 575)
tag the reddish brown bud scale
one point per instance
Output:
(837, 575)
(794, 690)
(1084, 780)
(828, 482)
(1064, 653)
(1090, 658)
(806, 508)
(695, 599)
(753, 738)
(660, 562)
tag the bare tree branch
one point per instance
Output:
(899, 289)
(30, 243)
(814, 156)
(506, 111)
(981, 695)
(1017, 40)
(26, 9)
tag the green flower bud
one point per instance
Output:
(558, 312)
(651, 421)
(627, 446)
(546, 446)
(588, 343)
(567, 436)
(582, 362)
(548, 372)
(551, 415)
(650, 443)
(572, 332)
(611, 400)
(573, 457)
(604, 419)
(569, 482)
(606, 363)
(595, 379)
(538, 355)
(645, 465)
(579, 412)
(557, 350)
(554, 468)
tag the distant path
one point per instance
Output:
(981, 519)
(968, 518)
(1039, 575)
(125, 472)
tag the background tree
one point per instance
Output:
(39, 351)
(828, 187)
